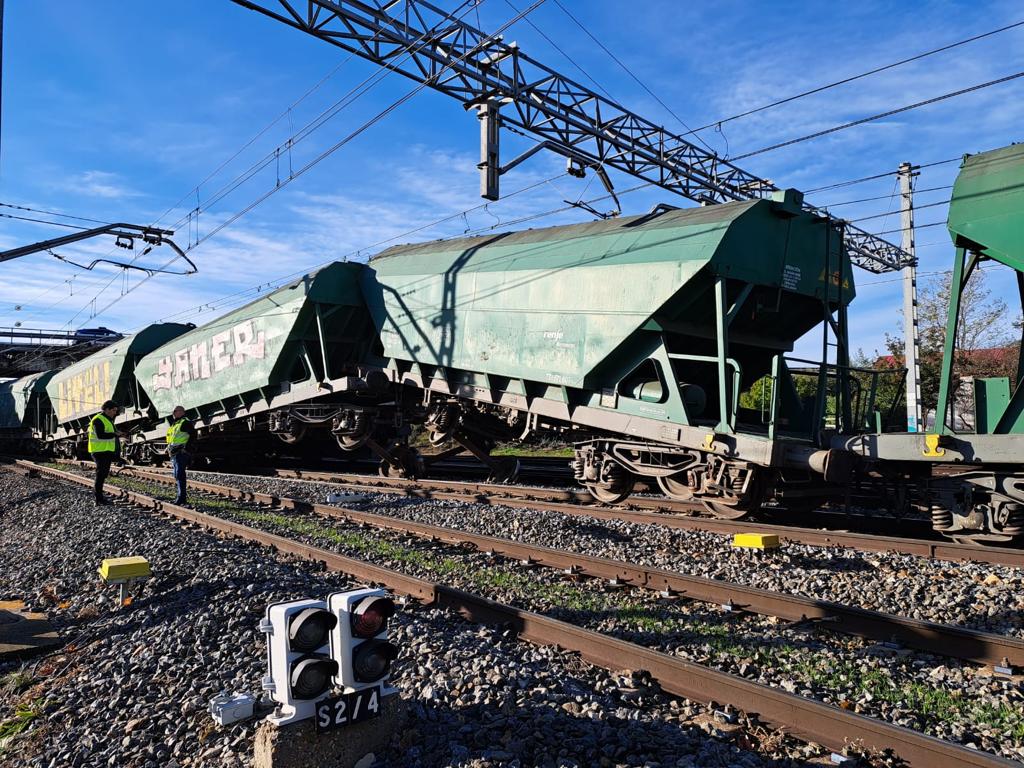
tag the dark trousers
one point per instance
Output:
(103, 462)
(179, 463)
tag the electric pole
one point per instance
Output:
(910, 333)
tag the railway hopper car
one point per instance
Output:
(635, 336)
(977, 488)
(77, 392)
(285, 370)
(25, 413)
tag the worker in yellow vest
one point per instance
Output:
(103, 445)
(180, 432)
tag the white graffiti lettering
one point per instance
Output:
(206, 358)
(162, 377)
(221, 356)
(181, 367)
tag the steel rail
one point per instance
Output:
(802, 718)
(658, 504)
(490, 494)
(931, 637)
(581, 503)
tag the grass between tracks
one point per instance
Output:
(24, 709)
(858, 681)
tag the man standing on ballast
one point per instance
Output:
(103, 445)
(179, 432)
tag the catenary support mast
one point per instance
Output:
(911, 342)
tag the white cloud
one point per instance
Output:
(100, 184)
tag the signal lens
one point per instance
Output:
(372, 660)
(311, 676)
(370, 616)
(309, 628)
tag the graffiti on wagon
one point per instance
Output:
(227, 349)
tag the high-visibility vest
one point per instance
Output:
(175, 436)
(99, 444)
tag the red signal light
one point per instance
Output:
(370, 616)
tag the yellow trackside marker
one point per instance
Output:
(756, 540)
(931, 446)
(120, 568)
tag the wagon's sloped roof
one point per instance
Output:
(986, 210)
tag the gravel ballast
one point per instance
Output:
(976, 595)
(131, 686)
(945, 698)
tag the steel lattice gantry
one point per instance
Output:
(435, 47)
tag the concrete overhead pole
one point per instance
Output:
(910, 331)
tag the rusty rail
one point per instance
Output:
(544, 499)
(803, 718)
(580, 503)
(931, 637)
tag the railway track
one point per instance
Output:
(931, 637)
(801, 717)
(659, 511)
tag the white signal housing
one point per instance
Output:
(300, 670)
(361, 658)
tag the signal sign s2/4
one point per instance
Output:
(347, 709)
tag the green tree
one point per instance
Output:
(984, 339)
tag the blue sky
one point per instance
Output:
(116, 111)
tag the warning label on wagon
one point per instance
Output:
(790, 277)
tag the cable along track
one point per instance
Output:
(803, 718)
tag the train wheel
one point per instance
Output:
(676, 486)
(352, 442)
(616, 494)
(617, 483)
(506, 470)
(724, 511)
(405, 462)
(295, 433)
(735, 507)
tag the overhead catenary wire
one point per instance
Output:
(916, 226)
(363, 87)
(52, 213)
(356, 132)
(196, 189)
(41, 221)
(888, 213)
(718, 123)
(629, 72)
(883, 197)
(879, 116)
(276, 282)
(326, 153)
(919, 274)
(876, 176)
(258, 135)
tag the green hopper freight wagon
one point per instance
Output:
(984, 500)
(25, 413)
(986, 223)
(646, 328)
(77, 392)
(31, 403)
(280, 359)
